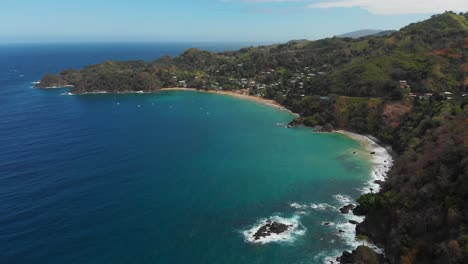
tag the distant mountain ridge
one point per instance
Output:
(365, 32)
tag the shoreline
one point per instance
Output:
(256, 99)
(53, 87)
(381, 161)
(261, 100)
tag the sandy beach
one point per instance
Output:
(257, 99)
(381, 160)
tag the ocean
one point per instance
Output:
(172, 177)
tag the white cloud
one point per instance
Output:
(390, 7)
(381, 7)
(264, 1)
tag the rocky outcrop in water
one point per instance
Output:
(271, 228)
(345, 209)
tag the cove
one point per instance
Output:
(172, 177)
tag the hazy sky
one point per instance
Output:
(206, 20)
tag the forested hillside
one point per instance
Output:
(429, 55)
(407, 88)
(421, 213)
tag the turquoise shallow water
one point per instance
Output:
(173, 177)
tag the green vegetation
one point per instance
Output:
(362, 237)
(421, 214)
(370, 201)
(429, 55)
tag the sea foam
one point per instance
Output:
(321, 206)
(296, 230)
(298, 205)
(342, 198)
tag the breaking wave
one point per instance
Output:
(296, 230)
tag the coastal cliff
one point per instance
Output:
(421, 213)
(406, 88)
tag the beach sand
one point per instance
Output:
(257, 99)
(381, 160)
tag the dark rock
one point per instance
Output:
(326, 224)
(362, 255)
(377, 229)
(354, 152)
(296, 123)
(373, 152)
(341, 231)
(353, 222)
(318, 129)
(345, 209)
(271, 228)
(328, 128)
(346, 257)
(278, 228)
(360, 210)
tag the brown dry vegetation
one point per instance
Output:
(394, 112)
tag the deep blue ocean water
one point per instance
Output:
(174, 177)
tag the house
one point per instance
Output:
(404, 85)
(448, 95)
(426, 96)
(183, 84)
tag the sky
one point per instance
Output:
(206, 20)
